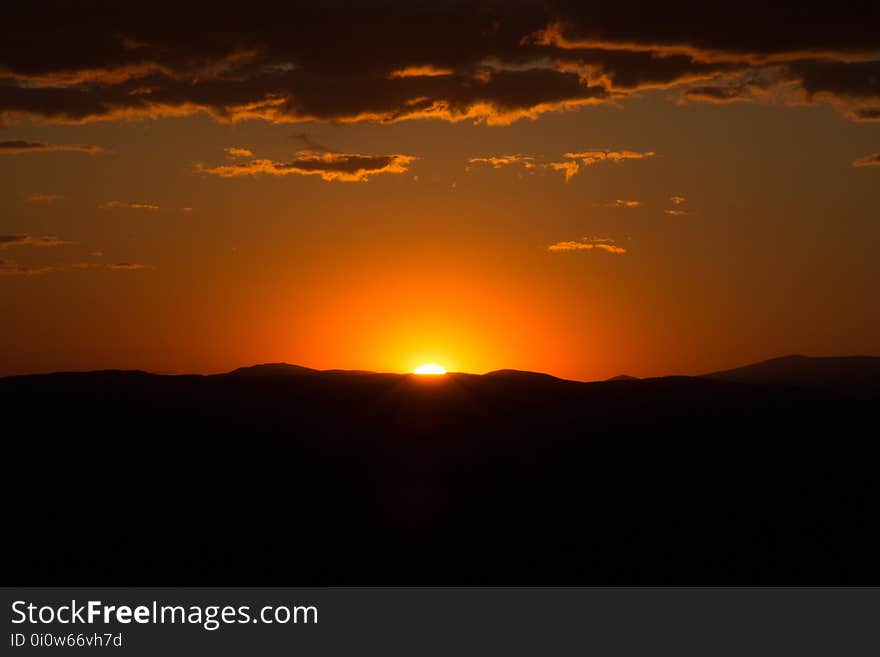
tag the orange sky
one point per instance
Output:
(652, 233)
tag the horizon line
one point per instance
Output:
(171, 373)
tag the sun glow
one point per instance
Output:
(430, 368)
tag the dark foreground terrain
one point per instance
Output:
(281, 475)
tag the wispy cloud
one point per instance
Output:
(569, 166)
(125, 205)
(575, 161)
(588, 158)
(309, 143)
(233, 151)
(588, 244)
(42, 198)
(863, 113)
(426, 71)
(716, 95)
(20, 146)
(623, 203)
(872, 160)
(678, 210)
(117, 266)
(12, 268)
(345, 167)
(7, 241)
(498, 161)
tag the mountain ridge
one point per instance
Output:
(850, 375)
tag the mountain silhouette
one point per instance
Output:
(286, 369)
(282, 475)
(273, 369)
(521, 375)
(853, 375)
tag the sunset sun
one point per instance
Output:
(430, 368)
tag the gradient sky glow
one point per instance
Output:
(572, 220)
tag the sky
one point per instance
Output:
(585, 189)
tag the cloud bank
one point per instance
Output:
(487, 62)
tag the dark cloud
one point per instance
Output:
(749, 29)
(857, 80)
(622, 71)
(19, 146)
(865, 113)
(854, 87)
(389, 61)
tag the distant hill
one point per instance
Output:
(623, 377)
(286, 369)
(851, 375)
(521, 375)
(273, 369)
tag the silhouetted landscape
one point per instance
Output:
(284, 475)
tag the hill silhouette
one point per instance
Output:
(521, 375)
(291, 476)
(854, 375)
(623, 377)
(273, 369)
